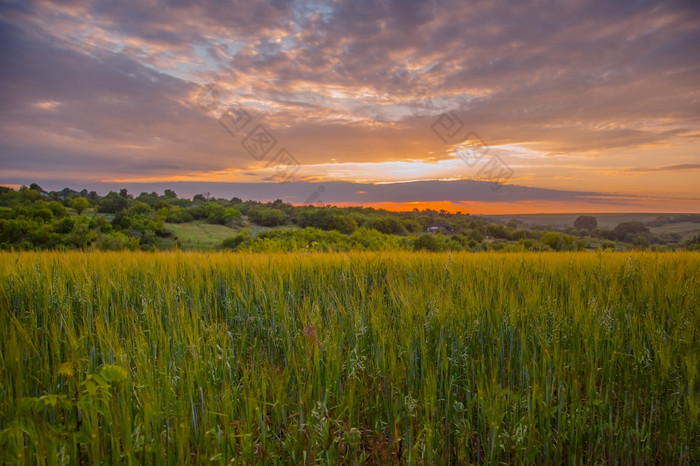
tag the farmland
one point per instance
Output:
(179, 357)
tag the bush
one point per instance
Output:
(175, 214)
(218, 214)
(115, 241)
(65, 225)
(427, 242)
(628, 230)
(388, 225)
(58, 210)
(266, 216)
(607, 244)
(79, 204)
(640, 241)
(559, 241)
(586, 222)
(327, 219)
(243, 237)
(140, 208)
(113, 203)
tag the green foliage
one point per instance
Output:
(81, 236)
(31, 218)
(266, 216)
(220, 215)
(560, 241)
(308, 239)
(314, 239)
(373, 240)
(79, 204)
(640, 241)
(242, 238)
(115, 241)
(139, 208)
(626, 230)
(389, 225)
(327, 219)
(65, 225)
(57, 209)
(693, 243)
(113, 203)
(607, 244)
(429, 242)
(175, 214)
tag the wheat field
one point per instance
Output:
(415, 358)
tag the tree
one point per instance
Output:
(81, 236)
(64, 226)
(558, 241)
(327, 219)
(496, 231)
(243, 237)
(216, 213)
(427, 242)
(607, 244)
(31, 195)
(58, 210)
(627, 230)
(175, 214)
(139, 208)
(641, 241)
(266, 216)
(113, 203)
(586, 222)
(692, 243)
(79, 204)
(115, 241)
(386, 224)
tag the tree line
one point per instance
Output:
(32, 218)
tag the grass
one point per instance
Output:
(685, 229)
(606, 220)
(198, 235)
(175, 357)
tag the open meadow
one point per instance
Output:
(191, 357)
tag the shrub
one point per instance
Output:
(427, 242)
(266, 216)
(79, 204)
(586, 222)
(243, 237)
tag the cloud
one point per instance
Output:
(106, 89)
(668, 168)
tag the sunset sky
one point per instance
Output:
(482, 107)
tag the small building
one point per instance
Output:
(438, 227)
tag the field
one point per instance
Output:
(566, 220)
(197, 235)
(179, 357)
(205, 236)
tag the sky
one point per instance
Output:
(473, 106)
